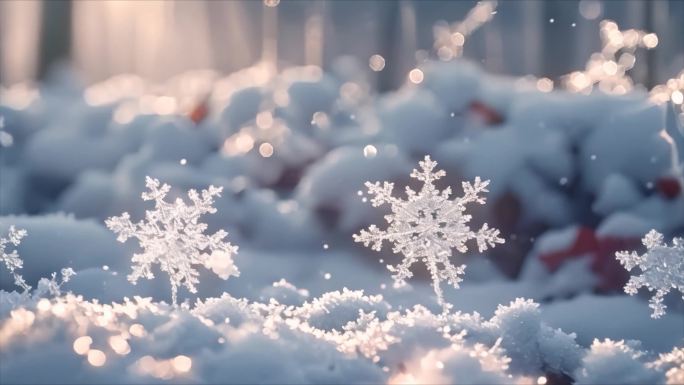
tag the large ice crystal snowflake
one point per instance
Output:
(172, 237)
(662, 269)
(427, 226)
(11, 259)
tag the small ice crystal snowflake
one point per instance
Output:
(662, 269)
(11, 259)
(172, 237)
(427, 226)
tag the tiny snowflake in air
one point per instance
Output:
(662, 269)
(427, 226)
(172, 237)
(52, 286)
(11, 259)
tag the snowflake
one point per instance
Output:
(12, 260)
(662, 269)
(52, 286)
(427, 226)
(172, 237)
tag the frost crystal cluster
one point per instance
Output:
(11, 259)
(662, 269)
(173, 237)
(427, 226)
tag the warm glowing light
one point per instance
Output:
(82, 345)
(119, 345)
(43, 305)
(458, 39)
(677, 97)
(266, 150)
(403, 379)
(610, 67)
(351, 92)
(650, 40)
(579, 80)
(182, 364)
(244, 142)
(19, 96)
(320, 119)
(271, 3)
(125, 113)
(590, 9)
(164, 105)
(287, 206)
(281, 98)
(137, 330)
(620, 90)
(450, 38)
(59, 310)
(376, 62)
(445, 53)
(370, 151)
(416, 76)
(264, 119)
(541, 380)
(545, 85)
(96, 357)
(163, 370)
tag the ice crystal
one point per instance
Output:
(52, 286)
(427, 226)
(11, 259)
(662, 269)
(616, 362)
(173, 237)
(672, 364)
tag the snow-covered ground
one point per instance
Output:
(573, 179)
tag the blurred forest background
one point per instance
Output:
(158, 39)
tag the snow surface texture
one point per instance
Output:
(291, 150)
(427, 226)
(330, 339)
(662, 269)
(173, 237)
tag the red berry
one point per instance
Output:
(669, 187)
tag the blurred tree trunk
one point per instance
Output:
(390, 47)
(55, 35)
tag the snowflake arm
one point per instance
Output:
(662, 269)
(486, 238)
(11, 259)
(427, 226)
(173, 237)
